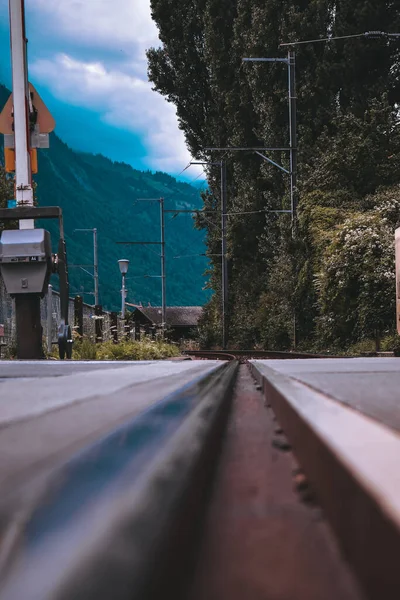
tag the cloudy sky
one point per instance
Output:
(87, 60)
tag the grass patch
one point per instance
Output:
(146, 349)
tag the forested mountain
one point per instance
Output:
(93, 191)
(332, 280)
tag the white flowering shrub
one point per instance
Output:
(387, 204)
(356, 283)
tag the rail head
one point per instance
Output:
(121, 509)
(248, 354)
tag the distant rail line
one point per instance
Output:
(244, 355)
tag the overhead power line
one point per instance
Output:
(367, 34)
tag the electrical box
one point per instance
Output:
(25, 260)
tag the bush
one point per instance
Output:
(146, 349)
(84, 350)
(356, 281)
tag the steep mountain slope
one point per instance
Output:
(93, 191)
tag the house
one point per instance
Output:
(181, 321)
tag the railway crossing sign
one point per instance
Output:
(44, 118)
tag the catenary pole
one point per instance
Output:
(224, 256)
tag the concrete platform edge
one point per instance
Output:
(357, 506)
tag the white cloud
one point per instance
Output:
(114, 84)
(108, 23)
(124, 101)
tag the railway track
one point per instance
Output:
(199, 480)
(245, 355)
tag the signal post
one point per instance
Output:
(26, 261)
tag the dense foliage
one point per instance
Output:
(93, 191)
(331, 280)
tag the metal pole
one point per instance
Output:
(293, 156)
(98, 311)
(293, 132)
(95, 267)
(27, 307)
(163, 282)
(224, 265)
(78, 315)
(50, 319)
(123, 292)
(21, 104)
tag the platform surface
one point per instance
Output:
(369, 385)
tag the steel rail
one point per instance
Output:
(351, 461)
(210, 354)
(237, 354)
(121, 517)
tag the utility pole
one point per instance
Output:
(95, 267)
(293, 155)
(224, 261)
(291, 64)
(162, 256)
(293, 132)
(163, 286)
(95, 263)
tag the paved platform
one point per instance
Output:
(369, 385)
(17, 369)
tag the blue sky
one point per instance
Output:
(87, 60)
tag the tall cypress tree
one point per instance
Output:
(364, 68)
(346, 91)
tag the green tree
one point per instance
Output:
(348, 140)
(364, 68)
(356, 155)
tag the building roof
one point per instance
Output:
(177, 316)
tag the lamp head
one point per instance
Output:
(123, 265)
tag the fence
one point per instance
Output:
(89, 322)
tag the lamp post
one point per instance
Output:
(123, 267)
(95, 263)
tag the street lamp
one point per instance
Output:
(123, 267)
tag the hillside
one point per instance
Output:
(93, 191)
